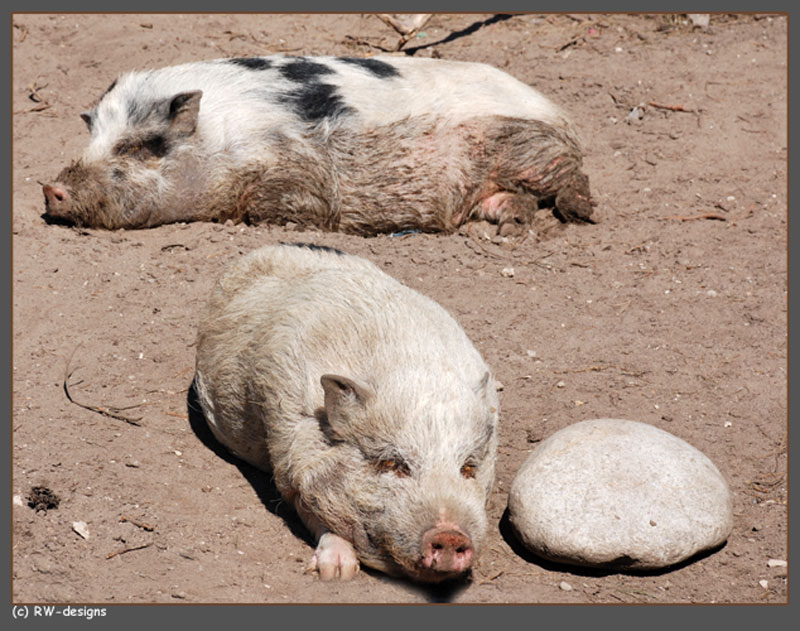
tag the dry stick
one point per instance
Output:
(717, 216)
(573, 42)
(477, 242)
(491, 578)
(139, 524)
(111, 555)
(672, 108)
(93, 408)
(364, 42)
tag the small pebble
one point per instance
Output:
(508, 272)
(764, 583)
(565, 586)
(777, 563)
(81, 528)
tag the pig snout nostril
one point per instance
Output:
(54, 193)
(447, 551)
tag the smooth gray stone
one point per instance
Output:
(619, 494)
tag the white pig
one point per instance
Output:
(375, 414)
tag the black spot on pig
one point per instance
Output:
(378, 68)
(316, 101)
(109, 88)
(150, 146)
(304, 71)
(316, 248)
(253, 63)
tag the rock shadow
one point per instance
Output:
(618, 566)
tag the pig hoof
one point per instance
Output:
(574, 202)
(513, 227)
(334, 558)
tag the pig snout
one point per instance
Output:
(447, 550)
(57, 202)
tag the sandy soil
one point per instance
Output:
(672, 310)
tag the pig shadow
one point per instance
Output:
(617, 566)
(261, 481)
(264, 486)
(434, 593)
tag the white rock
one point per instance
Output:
(699, 19)
(777, 563)
(619, 494)
(81, 528)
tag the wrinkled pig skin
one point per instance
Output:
(374, 413)
(364, 146)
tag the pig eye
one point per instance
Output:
(152, 146)
(393, 465)
(469, 470)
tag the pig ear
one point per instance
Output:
(183, 111)
(87, 118)
(343, 396)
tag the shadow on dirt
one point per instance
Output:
(499, 17)
(261, 481)
(270, 497)
(510, 537)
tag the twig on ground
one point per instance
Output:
(24, 30)
(672, 108)
(716, 216)
(363, 42)
(573, 42)
(111, 555)
(110, 412)
(491, 578)
(138, 524)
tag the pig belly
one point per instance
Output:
(430, 176)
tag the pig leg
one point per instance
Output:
(574, 201)
(512, 212)
(545, 161)
(334, 558)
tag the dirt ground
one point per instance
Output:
(671, 310)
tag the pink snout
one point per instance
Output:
(56, 198)
(447, 549)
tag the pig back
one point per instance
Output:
(283, 316)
